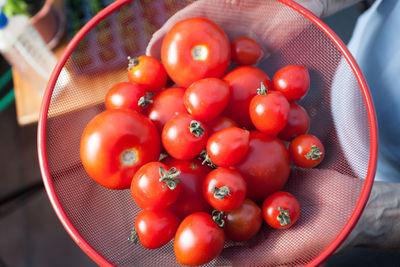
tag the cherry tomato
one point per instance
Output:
(292, 81)
(191, 197)
(265, 167)
(281, 210)
(205, 99)
(306, 151)
(183, 137)
(198, 239)
(243, 82)
(224, 189)
(155, 228)
(298, 123)
(115, 144)
(218, 124)
(166, 104)
(228, 146)
(243, 223)
(194, 49)
(126, 95)
(148, 72)
(245, 51)
(269, 112)
(155, 186)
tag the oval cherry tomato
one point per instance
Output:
(224, 189)
(126, 95)
(243, 82)
(205, 99)
(265, 167)
(191, 197)
(155, 186)
(148, 72)
(281, 210)
(228, 146)
(115, 144)
(292, 81)
(155, 228)
(298, 123)
(194, 49)
(183, 137)
(166, 104)
(269, 112)
(198, 239)
(218, 124)
(245, 51)
(306, 151)
(243, 223)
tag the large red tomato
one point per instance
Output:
(194, 49)
(244, 82)
(266, 166)
(115, 144)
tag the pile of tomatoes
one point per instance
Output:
(206, 160)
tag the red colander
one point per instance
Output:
(332, 196)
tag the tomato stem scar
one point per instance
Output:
(128, 156)
(283, 217)
(314, 154)
(169, 177)
(196, 129)
(199, 52)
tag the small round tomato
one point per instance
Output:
(126, 95)
(115, 144)
(155, 187)
(198, 239)
(245, 51)
(298, 123)
(265, 167)
(148, 72)
(194, 49)
(191, 197)
(166, 104)
(224, 189)
(281, 210)
(269, 112)
(306, 151)
(155, 228)
(183, 137)
(228, 146)
(293, 81)
(243, 223)
(205, 99)
(218, 124)
(243, 82)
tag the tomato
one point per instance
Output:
(198, 239)
(281, 210)
(224, 189)
(243, 82)
(126, 95)
(244, 222)
(155, 186)
(166, 104)
(265, 167)
(183, 137)
(155, 228)
(306, 151)
(227, 146)
(115, 144)
(298, 123)
(292, 81)
(245, 51)
(194, 49)
(190, 198)
(218, 124)
(148, 72)
(205, 99)
(269, 112)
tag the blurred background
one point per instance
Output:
(31, 234)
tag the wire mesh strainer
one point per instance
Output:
(332, 196)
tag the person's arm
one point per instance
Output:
(323, 8)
